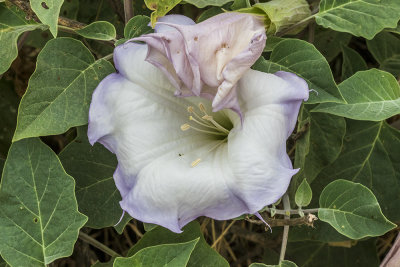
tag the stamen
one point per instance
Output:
(216, 124)
(202, 123)
(190, 109)
(202, 108)
(185, 127)
(204, 131)
(217, 145)
(196, 162)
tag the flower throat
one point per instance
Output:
(205, 123)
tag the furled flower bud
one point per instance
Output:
(281, 14)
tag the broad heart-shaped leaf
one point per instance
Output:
(318, 254)
(385, 48)
(93, 168)
(160, 8)
(328, 42)
(39, 219)
(372, 95)
(204, 3)
(203, 255)
(12, 25)
(98, 30)
(303, 59)
(168, 255)
(359, 17)
(320, 140)
(8, 115)
(60, 89)
(370, 156)
(303, 194)
(136, 26)
(48, 11)
(281, 264)
(352, 62)
(352, 210)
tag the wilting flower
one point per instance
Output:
(177, 159)
(209, 58)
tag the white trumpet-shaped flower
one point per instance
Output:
(178, 160)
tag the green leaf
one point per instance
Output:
(359, 17)
(48, 11)
(281, 264)
(329, 42)
(70, 9)
(2, 161)
(93, 168)
(317, 254)
(211, 12)
(60, 89)
(385, 48)
(272, 42)
(319, 142)
(352, 62)
(98, 30)
(303, 194)
(137, 26)
(203, 254)
(204, 3)
(395, 30)
(12, 25)
(370, 156)
(168, 255)
(8, 115)
(39, 220)
(322, 232)
(303, 59)
(160, 8)
(238, 4)
(371, 95)
(352, 210)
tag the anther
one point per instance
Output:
(196, 162)
(185, 127)
(190, 109)
(202, 108)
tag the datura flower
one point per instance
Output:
(177, 158)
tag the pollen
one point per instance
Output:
(195, 162)
(185, 127)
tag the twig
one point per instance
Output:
(286, 206)
(25, 6)
(306, 220)
(283, 212)
(90, 240)
(222, 234)
(128, 10)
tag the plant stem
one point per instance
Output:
(90, 240)
(223, 234)
(286, 206)
(128, 10)
(283, 212)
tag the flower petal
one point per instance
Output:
(257, 153)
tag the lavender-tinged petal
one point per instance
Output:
(262, 170)
(235, 69)
(175, 19)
